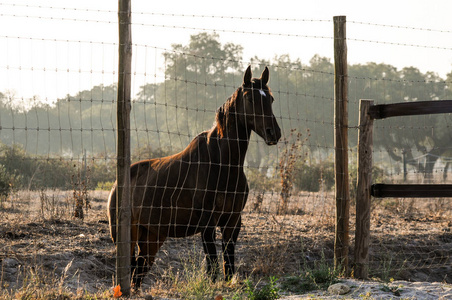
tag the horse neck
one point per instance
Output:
(232, 132)
(235, 144)
(228, 146)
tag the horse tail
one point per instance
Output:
(111, 205)
(111, 213)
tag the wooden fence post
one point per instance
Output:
(342, 190)
(123, 205)
(363, 198)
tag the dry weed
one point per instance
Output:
(80, 192)
(268, 259)
(291, 153)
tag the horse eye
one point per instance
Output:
(248, 96)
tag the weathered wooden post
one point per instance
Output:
(405, 172)
(342, 190)
(123, 204)
(363, 198)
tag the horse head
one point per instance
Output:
(257, 100)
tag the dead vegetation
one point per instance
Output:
(43, 245)
(290, 155)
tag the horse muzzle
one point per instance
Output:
(272, 135)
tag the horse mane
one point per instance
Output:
(222, 117)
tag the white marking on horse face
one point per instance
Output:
(262, 93)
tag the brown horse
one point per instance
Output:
(202, 187)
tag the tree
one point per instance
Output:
(415, 136)
(199, 77)
(202, 74)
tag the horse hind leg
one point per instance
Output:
(133, 259)
(148, 246)
(137, 261)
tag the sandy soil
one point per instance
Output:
(410, 242)
(377, 290)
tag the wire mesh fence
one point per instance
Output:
(58, 140)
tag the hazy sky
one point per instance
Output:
(62, 51)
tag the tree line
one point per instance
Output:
(200, 76)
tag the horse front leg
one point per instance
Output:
(230, 234)
(208, 243)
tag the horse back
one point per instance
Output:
(194, 188)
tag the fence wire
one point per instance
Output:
(57, 159)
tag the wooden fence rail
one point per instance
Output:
(381, 190)
(369, 112)
(410, 109)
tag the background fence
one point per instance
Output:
(58, 122)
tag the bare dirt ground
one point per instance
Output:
(40, 241)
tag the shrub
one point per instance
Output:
(319, 275)
(311, 177)
(268, 291)
(44, 172)
(104, 185)
(5, 183)
(102, 174)
(259, 181)
(36, 172)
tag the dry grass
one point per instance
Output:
(47, 254)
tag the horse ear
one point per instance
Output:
(265, 76)
(219, 118)
(220, 113)
(247, 76)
